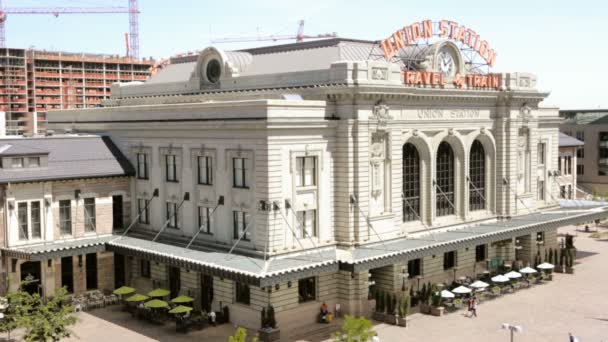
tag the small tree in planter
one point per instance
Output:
(378, 315)
(546, 259)
(269, 331)
(569, 261)
(413, 298)
(537, 260)
(436, 308)
(404, 308)
(389, 317)
(555, 256)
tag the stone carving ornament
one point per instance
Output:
(381, 112)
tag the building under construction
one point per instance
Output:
(33, 82)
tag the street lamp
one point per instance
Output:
(512, 328)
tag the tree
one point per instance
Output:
(240, 335)
(354, 330)
(18, 305)
(49, 321)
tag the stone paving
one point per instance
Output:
(571, 303)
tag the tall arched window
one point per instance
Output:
(445, 180)
(411, 183)
(477, 176)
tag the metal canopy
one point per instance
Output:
(58, 249)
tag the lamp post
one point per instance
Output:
(512, 328)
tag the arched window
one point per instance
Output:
(411, 183)
(444, 189)
(477, 176)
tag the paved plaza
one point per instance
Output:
(572, 303)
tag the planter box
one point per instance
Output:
(402, 322)
(390, 319)
(269, 335)
(437, 310)
(378, 316)
(570, 270)
(558, 269)
(425, 309)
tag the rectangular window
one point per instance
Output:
(580, 169)
(89, 214)
(569, 165)
(33, 162)
(172, 215)
(17, 162)
(239, 172)
(144, 268)
(414, 268)
(449, 260)
(242, 293)
(35, 220)
(205, 165)
(143, 210)
(65, 217)
(91, 271)
(481, 253)
(307, 223)
(559, 164)
(541, 190)
(22, 220)
(306, 171)
(171, 167)
(240, 220)
(541, 153)
(307, 290)
(142, 166)
(204, 220)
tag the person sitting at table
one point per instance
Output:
(323, 313)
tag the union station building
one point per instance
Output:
(304, 173)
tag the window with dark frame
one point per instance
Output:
(580, 169)
(204, 220)
(33, 162)
(22, 220)
(307, 223)
(481, 253)
(144, 268)
(35, 220)
(541, 190)
(205, 167)
(414, 268)
(541, 153)
(242, 293)
(143, 210)
(477, 176)
(142, 166)
(445, 180)
(449, 260)
(171, 167)
(172, 215)
(65, 217)
(240, 221)
(89, 214)
(307, 290)
(239, 172)
(306, 171)
(411, 183)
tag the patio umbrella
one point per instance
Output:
(180, 309)
(182, 299)
(478, 284)
(461, 290)
(159, 293)
(137, 298)
(447, 294)
(500, 279)
(545, 266)
(513, 275)
(527, 270)
(123, 290)
(156, 304)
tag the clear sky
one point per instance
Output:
(563, 42)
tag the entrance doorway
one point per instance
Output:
(117, 213)
(91, 269)
(206, 292)
(67, 273)
(30, 276)
(119, 270)
(174, 281)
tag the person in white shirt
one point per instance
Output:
(376, 338)
(212, 317)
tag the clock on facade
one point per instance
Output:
(446, 63)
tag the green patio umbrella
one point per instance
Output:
(137, 298)
(124, 290)
(156, 304)
(159, 293)
(180, 309)
(182, 299)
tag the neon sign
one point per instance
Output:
(426, 29)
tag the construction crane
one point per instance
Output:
(299, 37)
(132, 9)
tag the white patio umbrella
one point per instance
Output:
(500, 279)
(513, 275)
(447, 294)
(478, 284)
(527, 270)
(545, 266)
(461, 290)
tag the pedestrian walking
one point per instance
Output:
(474, 306)
(212, 317)
(572, 338)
